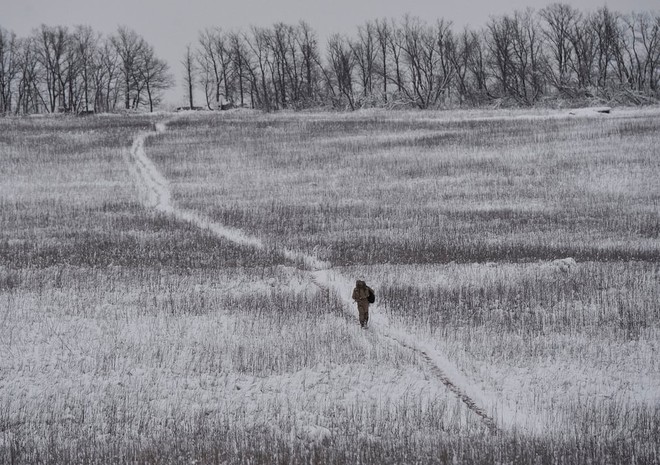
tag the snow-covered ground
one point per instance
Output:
(156, 195)
(267, 344)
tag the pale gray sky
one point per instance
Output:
(171, 24)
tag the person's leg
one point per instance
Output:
(364, 314)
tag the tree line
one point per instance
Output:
(521, 59)
(57, 69)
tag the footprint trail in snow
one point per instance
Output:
(155, 192)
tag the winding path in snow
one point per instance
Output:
(155, 192)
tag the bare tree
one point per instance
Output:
(395, 45)
(584, 45)
(285, 77)
(364, 53)
(517, 58)
(445, 73)
(189, 69)
(342, 66)
(224, 52)
(605, 26)
(463, 50)
(528, 58)
(560, 22)
(72, 83)
(383, 36)
(209, 76)
(106, 77)
(499, 41)
(309, 50)
(239, 62)
(292, 65)
(155, 75)
(650, 39)
(9, 68)
(640, 47)
(84, 43)
(214, 60)
(50, 43)
(478, 66)
(29, 98)
(128, 45)
(427, 51)
(259, 45)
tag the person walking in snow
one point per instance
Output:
(363, 295)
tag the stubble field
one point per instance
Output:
(182, 295)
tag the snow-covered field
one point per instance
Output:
(176, 289)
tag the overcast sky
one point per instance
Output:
(171, 24)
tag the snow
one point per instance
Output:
(51, 369)
(565, 265)
(156, 195)
(45, 377)
(590, 111)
